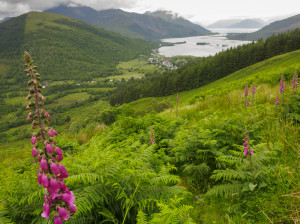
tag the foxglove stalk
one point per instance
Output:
(294, 83)
(58, 198)
(246, 93)
(282, 84)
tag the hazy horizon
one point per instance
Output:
(204, 12)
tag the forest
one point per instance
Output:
(208, 69)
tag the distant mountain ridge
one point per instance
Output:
(276, 27)
(238, 23)
(143, 26)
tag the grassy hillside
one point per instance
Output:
(196, 170)
(64, 48)
(143, 26)
(274, 28)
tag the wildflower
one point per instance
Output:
(57, 220)
(152, 136)
(46, 211)
(44, 164)
(58, 151)
(33, 140)
(54, 185)
(63, 171)
(34, 152)
(45, 180)
(228, 96)
(49, 148)
(39, 178)
(253, 90)
(63, 213)
(54, 168)
(68, 198)
(282, 84)
(277, 100)
(58, 158)
(295, 80)
(51, 133)
(246, 147)
(72, 208)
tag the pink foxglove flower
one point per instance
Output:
(33, 140)
(68, 198)
(54, 185)
(49, 148)
(54, 168)
(58, 151)
(55, 132)
(51, 133)
(295, 80)
(253, 90)
(63, 213)
(44, 164)
(34, 152)
(63, 170)
(72, 208)
(58, 158)
(58, 220)
(45, 180)
(62, 185)
(39, 178)
(277, 100)
(46, 211)
(282, 84)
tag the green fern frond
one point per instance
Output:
(84, 178)
(231, 175)
(141, 218)
(225, 190)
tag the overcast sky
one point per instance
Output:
(201, 11)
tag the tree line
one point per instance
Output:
(207, 69)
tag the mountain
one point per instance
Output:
(5, 19)
(281, 26)
(143, 26)
(64, 48)
(238, 23)
(175, 19)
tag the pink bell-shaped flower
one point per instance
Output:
(54, 168)
(45, 180)
(34, 152)
(49, 148)
(54, 185)
(46, 211)
(68, 198)
(44, 165)
(58, 151)
(58, 220)
(63, 213)
(72, 208)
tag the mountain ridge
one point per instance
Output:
(143, 26)
(280, 26)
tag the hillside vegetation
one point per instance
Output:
(64, 48)
(208, 69)
(193, 169)
(274, 28)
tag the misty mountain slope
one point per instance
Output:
(175, 19)
(280, 26)
(63, 47)
(238, 23)
(143, 26)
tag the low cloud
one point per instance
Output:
(17, 7)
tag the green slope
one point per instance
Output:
(63, 47)
(265, 72)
